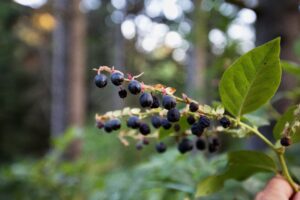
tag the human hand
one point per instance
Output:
(278, 189)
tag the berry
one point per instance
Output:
(145, 141)
(155, 103)
(215, 141)
(133, 122)
(212, 148)
(108, 127)
(225, 122)
(176, 127)
(204, 121)
(166, 124)
(100, 80)
(146, 100)
(285, 141)
(99, 124)
(139, 146)
(168, 102)
(156, 121)
(117, 78)
(200, 144)
(144, 129)
(134, 87)
(197, 129)
(193, 107)
(185, 145)
(191, 120)
(122, 93)
(173, 115)
(115, 124)
(161, 147)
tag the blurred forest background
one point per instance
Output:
(49, 146)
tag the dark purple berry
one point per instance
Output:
(161, 147)
(146, 100)
(139, 146)
(155, 103)
(144, 129)
(165, 123)
(116, 124)
(156, 121)
(168, 102)
(285, 141)
(185, 145)
(134, 87)
(173, 115)
(100, 80)
(145, 141)
(176, 127)
(197, 130)
(215, 141)
(108, 126)
(122, 93)
(225, 122)
(193, 107)
(200, 144)
(133, 122)
(204, 121)
(117, 78)
(191, 120)
(212, 148)
(99, 124)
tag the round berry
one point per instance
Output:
(200, 144)
(108, 127)
(146, 100)
(215, 141)
(225, 122)
(116, 124)
(133, 122)
(191, 120)
(197, 130)
(161, 147)
(193, 107)
(156, 121)
(99, 124)
(212, 148)
(168, 102)
(134, 87)
(144, 129)
(185, 145)
(173, 115)
(139, 146)
(165, 123)
(285, 141)
(100, 80)
(204, 122)
(122, 93)
(117, 78)
(155, 103)
(176, 127)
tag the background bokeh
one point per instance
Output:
(49, 146)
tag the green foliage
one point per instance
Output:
(252, 80)
(241, 165)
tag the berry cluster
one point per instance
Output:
(164, 115)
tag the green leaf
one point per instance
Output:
(252, 79)
(241, 165)
(291, 67)
(289, 117)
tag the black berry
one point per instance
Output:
(176, 127)
(191, 120)
(161, 147)
(108, 127)
(212, 148)
(156, 121)
(200, 144)
(215, 141)
(134, 87)
(197, 129)
(165, 123)
(185, 145)
(173, 115)
(122, 93)
(155, 103)
(285, 141)
(144, 129)
(193, 107)
(204, 121)
(116, 124)
(168, 102)
(100, 80)
(99, 124)
(146, 100)
(133, 122)
(117, 78)
(225, 122)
